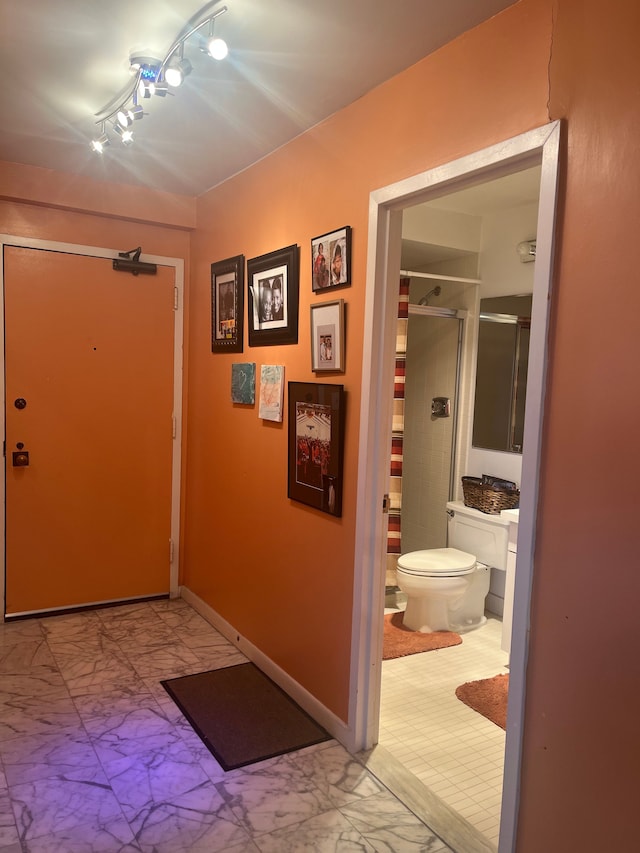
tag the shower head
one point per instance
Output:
(435, 292)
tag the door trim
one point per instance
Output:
(176, 466)
(536, 147)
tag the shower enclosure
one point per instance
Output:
(432, 371)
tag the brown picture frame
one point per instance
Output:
(316, 445)
(227, 305)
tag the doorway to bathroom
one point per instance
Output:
(538, 148)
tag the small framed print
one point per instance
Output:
(316, 445)
(271, 392)
(227, 305)
(273, 298)
(327, 337)
(331, 260)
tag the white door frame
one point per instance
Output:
(110, 254)
(535, 147)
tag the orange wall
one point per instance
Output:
(279, 572)
(583, 708)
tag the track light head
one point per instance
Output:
(100, 142)
(217, 48)
(125, 133)
(177, 71)
(124, 117)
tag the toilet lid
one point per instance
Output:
(437, 561)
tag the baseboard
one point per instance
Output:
(320, 713)
(494, 604)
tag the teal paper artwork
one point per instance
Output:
(243, 383)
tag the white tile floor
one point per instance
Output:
(454, 751)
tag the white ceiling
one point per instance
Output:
(292, 63)
(498, 194)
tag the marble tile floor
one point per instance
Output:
(453, 751)
(96, 758)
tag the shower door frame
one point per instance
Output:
(460, 315)
(538, 147)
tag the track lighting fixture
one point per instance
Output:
(153, 77)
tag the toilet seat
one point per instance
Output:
(437, 562)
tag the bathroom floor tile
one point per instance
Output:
(454, 751)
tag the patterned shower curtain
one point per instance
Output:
(394, 539)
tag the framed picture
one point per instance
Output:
(243, 383)
(327, 336)
(331, 260)
(316, 445)
(273, 298)
(227, 305)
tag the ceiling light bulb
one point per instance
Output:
(217, 48)
(124, 133)
(175, 73)
(100, 143)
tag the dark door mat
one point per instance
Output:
(242, 716)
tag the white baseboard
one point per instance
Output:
(320, 713)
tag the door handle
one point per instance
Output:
(20, 456)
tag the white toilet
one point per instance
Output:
(446, 588)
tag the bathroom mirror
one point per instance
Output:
(501, 378)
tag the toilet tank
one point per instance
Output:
(485, 536)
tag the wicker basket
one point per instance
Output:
(488, 498)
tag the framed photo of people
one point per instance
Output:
(227, 305)
(316, 445)
(272, 289)
(327, 336)
(331, 260)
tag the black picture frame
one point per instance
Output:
(316, 445)
(325, 250)
(227, 305)
(265, 275)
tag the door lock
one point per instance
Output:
(20, 456)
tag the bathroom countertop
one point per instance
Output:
(512, 515)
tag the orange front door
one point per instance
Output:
(89, 397)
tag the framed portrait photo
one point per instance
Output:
(272, 289)
(227, 305)
(331, 260)
(316, 445)
(327, 336)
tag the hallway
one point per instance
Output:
(96, 758)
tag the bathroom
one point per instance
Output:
(463, 248)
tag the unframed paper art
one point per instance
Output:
(271, 392)
(243, 383)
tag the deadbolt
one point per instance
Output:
(20, 458)
(20, 403)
